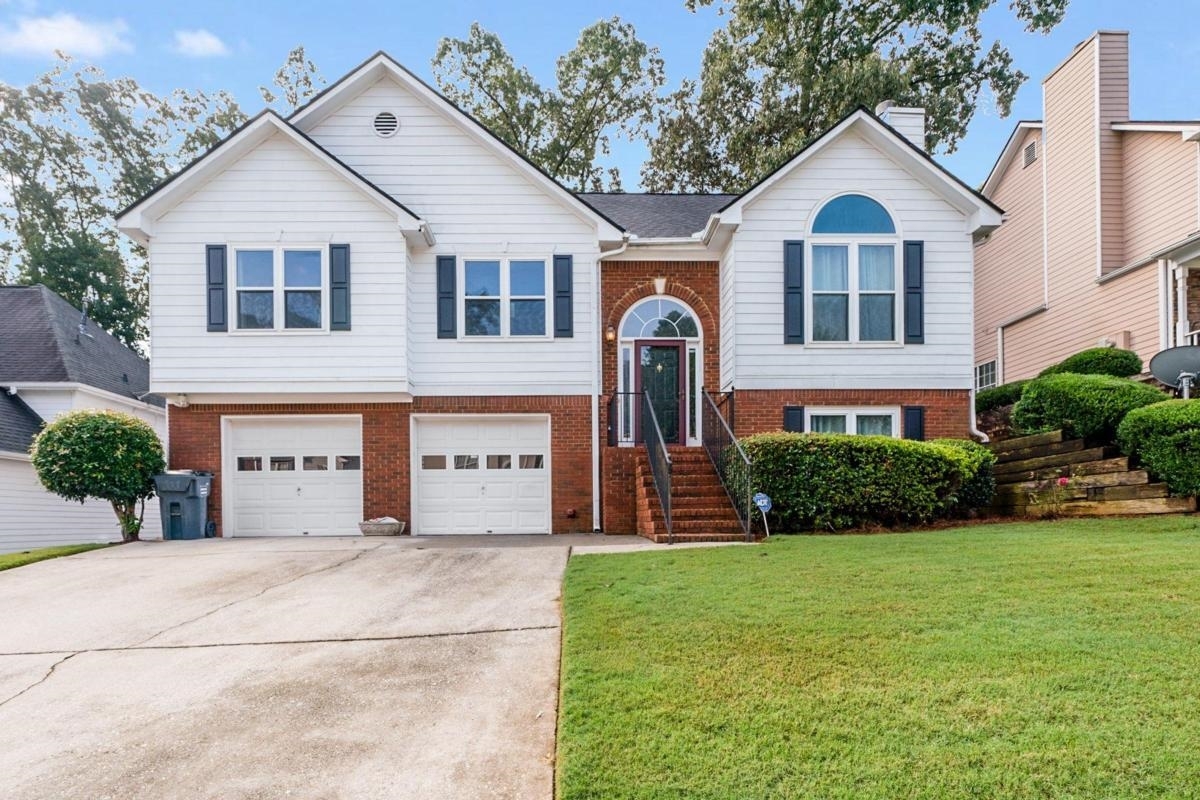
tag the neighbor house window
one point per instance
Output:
(853, 272)
(279, 288)
(504, 297)
(865, 421)
(985, 375)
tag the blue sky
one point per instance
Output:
(238, 45)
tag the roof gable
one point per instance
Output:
(1015, 143)
(18, 424)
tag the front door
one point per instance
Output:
(660, 375)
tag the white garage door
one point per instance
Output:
(294, 477)
(481, 474)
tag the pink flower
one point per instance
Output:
(1063, 481)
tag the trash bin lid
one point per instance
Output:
(173, 482)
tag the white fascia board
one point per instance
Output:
(14, 456)
(368, 391)
(71, 386)
(382, 65)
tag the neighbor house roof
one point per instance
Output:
(658, 216)
(40, 342)
(18, 424)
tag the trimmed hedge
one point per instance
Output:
(978, 475)
(1084, 406)
(834, 482)
(1098, 361)
(1003, 395)
(1164, 438)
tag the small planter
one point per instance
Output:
(370, 528)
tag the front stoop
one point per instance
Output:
(701, 511)
(1102, 483)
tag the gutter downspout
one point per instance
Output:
(971, 429)
(599, 367)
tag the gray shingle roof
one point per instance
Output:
(18, 424)
(40, 343)
(658, 215)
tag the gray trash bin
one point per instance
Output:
(183, 502)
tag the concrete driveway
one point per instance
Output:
(347, 668)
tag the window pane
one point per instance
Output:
(530, 462)
(831, 318)
(827, 423)
(527, 317)
(874, 424)
(527, 278)
(283, 463)
(831, 269)
(627, 398)
(302, 309)
(249, 464)
(256, 309)
(315, 463)
(348, 462)
(482, 279)
(853, 213)
(466, 462)
(255, 268)
(482, 318)
(433, 462)
(499, 462)
(691, 395)
(876, 268)
(876, 318)
(301, 267)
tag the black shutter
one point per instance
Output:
(914, 422)
(564, 324)
(914, 292)
(793, 292)
(793, 419)
(447, 302)
(339, 287)
(218, 304)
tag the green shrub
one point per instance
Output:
(833, 482)
(978, 478)
(1003, 395)
(1099, 361)
(1164, 438)
(1087, 406)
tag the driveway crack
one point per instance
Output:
(42, 679)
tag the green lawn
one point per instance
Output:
(1055, 659)
(10, 560)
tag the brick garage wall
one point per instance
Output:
(761, 410)
(195, 441)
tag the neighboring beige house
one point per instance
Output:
(1101, 239)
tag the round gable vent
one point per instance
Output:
(386, 124)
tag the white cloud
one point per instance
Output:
(41, 36)
(199, 44)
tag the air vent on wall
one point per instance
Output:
(1030, 153)
(386, 124)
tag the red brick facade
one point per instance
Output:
(195, 436)
(947, 411)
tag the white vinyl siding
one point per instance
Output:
(728, 321)
(944, 361)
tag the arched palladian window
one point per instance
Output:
(853, 272)
(659, 318)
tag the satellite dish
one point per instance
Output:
(1177, 367)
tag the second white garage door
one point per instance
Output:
(481, 474)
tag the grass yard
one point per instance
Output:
(10, 560)
(1055, 659)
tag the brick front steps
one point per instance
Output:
(700, 508)
(1101, 482)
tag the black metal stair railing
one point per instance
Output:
(660, 460)
(734, 467)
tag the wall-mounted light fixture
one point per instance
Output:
(610, 334)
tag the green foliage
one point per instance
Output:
(977, 465)
(1003, 395)
(1099, 361)
(1084, 406)
(1164, 438)
(295, 82)
(607, 85)
(832, 482)
(778, 74)
(105, 455)
(14, 560)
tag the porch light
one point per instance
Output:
(610, 334)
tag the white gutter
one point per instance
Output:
(599, 368)
(16, 388)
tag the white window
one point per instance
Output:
(504, 297)
(985, 375)
(281, 288)
(863, 421)
(853, 273)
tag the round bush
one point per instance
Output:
(833, 482)
(1084, 406)
(978, 478)
(1003, 395)
(1099, 361)
(1164, 438)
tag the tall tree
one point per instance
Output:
(607, 86)
(294, 82)
(782, 71)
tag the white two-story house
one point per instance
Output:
(375, 307)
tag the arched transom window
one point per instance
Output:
(853, 272)
(659, 318)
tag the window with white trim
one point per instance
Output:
(985, 375)
(280, 288)
(861, 421)
(853, 273)
(504, 297)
